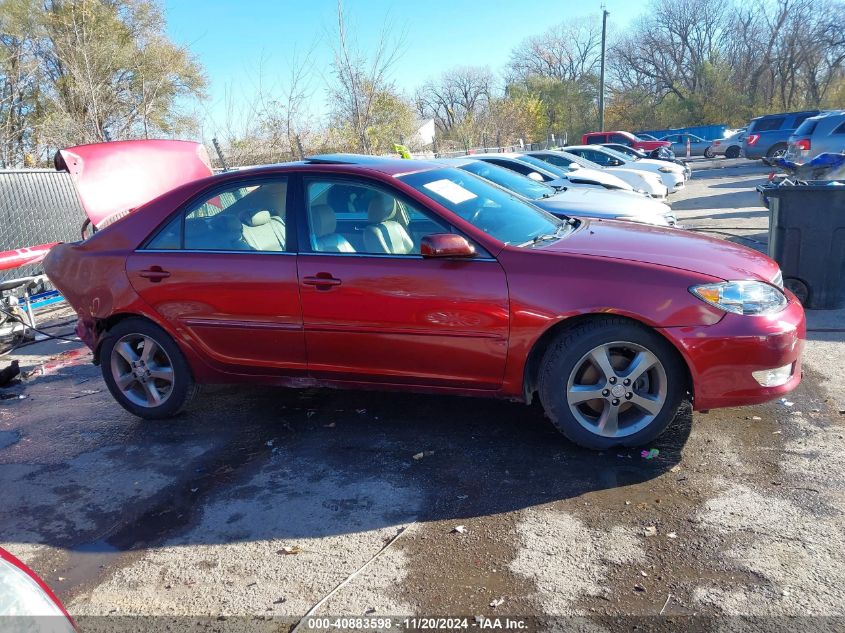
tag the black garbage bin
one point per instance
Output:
(807, 239)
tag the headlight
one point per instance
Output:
(22, 597)
(657, 220)
(742, 297)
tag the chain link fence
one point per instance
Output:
(37, 206)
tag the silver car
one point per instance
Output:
(571, 201)
(698, 146)
(730, 146)
(817, 135)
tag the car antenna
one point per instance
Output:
(220, 154)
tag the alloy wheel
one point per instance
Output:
(142, 370)
(617, 389)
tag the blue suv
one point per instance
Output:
(769, 134)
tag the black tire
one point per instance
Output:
(568, 350)
(182, 387)
(732, 152)
(708, 152)
(776, 150)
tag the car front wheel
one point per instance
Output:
(145, 370)
(732, 152)
(611, 382)
(708, 153)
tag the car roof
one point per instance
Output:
(457, 160)
(384, 164)
(569, 147)
(766, 116)
(495, 155)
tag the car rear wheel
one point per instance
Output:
(732, 152)
(145, 370)
(776, 151)
(611, 382)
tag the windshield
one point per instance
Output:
(614, 153)
(580, 160)
(508, 179)
(541, 164)
(495, 211)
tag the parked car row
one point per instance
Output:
(796, 135)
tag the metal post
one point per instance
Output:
(605, 13)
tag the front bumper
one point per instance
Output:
(722, 357)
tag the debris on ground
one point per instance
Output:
(497, 602)
(639, 588)
(786, 402)
(460, 529)
(672, 535)
(84, 392)
(651, 530)
(8, 374)
(650, 454)
(420, 455)
(290, 549)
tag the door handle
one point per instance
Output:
(322, 281)
(154, 274)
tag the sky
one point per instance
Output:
(244, 43)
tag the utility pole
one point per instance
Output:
(605, 13)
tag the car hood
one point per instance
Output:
(604, 203)
(651, 162)
(600, 177)
(647, 175)
(667, 247)
(116, 177)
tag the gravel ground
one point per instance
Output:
(259, 502)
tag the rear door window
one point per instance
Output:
(799, 119)
(807, 127)
(840, 129)
(769, 123)
(620, 138)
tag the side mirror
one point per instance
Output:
(535, 176)
(615, 162)
(446, 245)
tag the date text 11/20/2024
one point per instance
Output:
(416, 623)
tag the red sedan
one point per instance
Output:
(363, 272)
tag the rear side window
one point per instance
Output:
(801, 118)
(769, 123)
(238, 217)
(840, 129)
(807, 127)
(596, 139)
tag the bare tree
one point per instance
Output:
(360, 78)
(460, 93)
(566, 51)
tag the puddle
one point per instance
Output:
(8, 438)
(172, 510)
(85, 565)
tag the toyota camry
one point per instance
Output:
(362, 272)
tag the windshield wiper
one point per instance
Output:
(560, 231)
